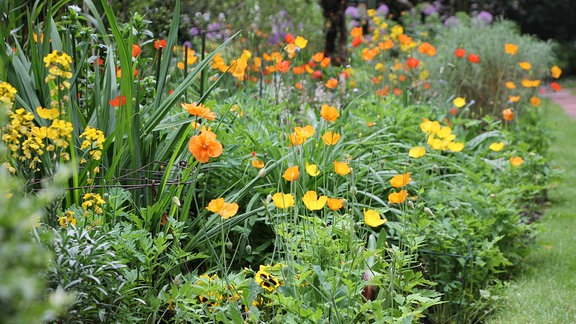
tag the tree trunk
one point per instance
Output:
(335, 25)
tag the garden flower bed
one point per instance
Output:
(234, 180)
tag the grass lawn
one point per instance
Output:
(545, 291)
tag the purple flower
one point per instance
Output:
(484, 17)
(429, 9)
(383, 10)
(352, 12)
(451, 21)
(194, 31)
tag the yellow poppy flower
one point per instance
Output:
(313, 202)
(372, 218)
(417, 152)
(330, 138)
(459, 102)
(496, 146)
(312, 169)
(282, 200)
(341, 168)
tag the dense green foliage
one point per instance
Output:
(244, 177)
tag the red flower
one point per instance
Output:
(412, 62)
(473, 58)
(135, 50)
(356, 41)
(317, 74)
(118, 101)
(460, 52)
(289, 39)
(555, 86)
(159, 43)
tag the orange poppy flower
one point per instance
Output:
(329, 113)
(291, 174)
(330, 138)
(341, 168)
(516, 160)
(385, 45)
(401, 180)
(332, 83)
(356, 32)
(525, 65)
(205, 146)
(356, 41)
(257, 163)
(199, 110)
(335, 203)
(556, 72)
(398, 197)
(508, 114)
(298, 69)
(427, 48)
(318, 57)
(224, 209)
(510, 49)
(283, 66)
(535, 101)
(325, 62)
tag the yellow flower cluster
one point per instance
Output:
(24, 144)
(92, 202)
(440, 137)
(59, 66)
(93, 140)
(7, 92)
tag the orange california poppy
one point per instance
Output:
(460, 52)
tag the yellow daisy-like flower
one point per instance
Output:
(417, 152)
(372, 218)
(459, 102)
(496, 146)
(312, 169)
(313, 202)
(282, 200)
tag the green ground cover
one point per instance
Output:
(545, 290)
